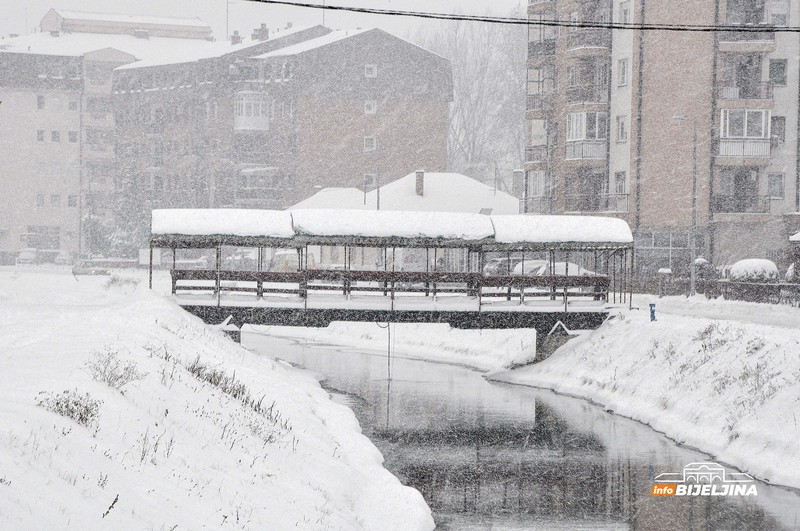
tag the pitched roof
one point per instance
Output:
(132, 19)
(313, 44)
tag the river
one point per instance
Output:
(495, 456)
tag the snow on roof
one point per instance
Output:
(795, 237)
(78, 44)
(202, 50)
(443, 192)
(560, 229)
(132, 19)
(389, 223)
(216, 221)
(313, 44)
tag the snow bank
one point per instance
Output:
(754, 269)
(171, 450)
(479, 349)
(726, 387)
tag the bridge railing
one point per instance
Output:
(390, 283)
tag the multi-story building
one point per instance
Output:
(105, 117)
(57, 121)
(311, 109)
(627, 122)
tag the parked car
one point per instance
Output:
(26, 256)
(242, 259)
(503, 265)
(286, 260)
(528, 267)
(564, 268)
(63, 258)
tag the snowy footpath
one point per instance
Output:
(119, 410)
(720, 376)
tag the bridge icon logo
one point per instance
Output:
(703, 479)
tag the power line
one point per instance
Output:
(747, 28)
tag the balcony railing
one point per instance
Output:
(536, 154)
(748, 33)
(586, 149)
(545, 47)
(744, 147)
(750, 91)
(587, 94)
(537, 205)
(747, 204)
(589, 38)
(540, 102)
(596, 203)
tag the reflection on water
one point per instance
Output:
(493, 455)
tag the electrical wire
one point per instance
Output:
(744, 28)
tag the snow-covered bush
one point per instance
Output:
(791, 276)
(83, 409)
(754, 270)
(108, 368)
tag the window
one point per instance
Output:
(55, 136)
(40, 102)
(73, 137)
(775, 185)
(538, 32)
(740, 123)
(622, 72)
(541, 79)
(622, 129)
(536, 183)
(572, 76)
(369, 143)
(55, 200)
(624, 12)
(573, 18)
(586, 126)
(777, 72)
(778, 129)
(39, 200)
(370, 106)
(40, 135)
(72, 201)
(370, 70)
(619, 182)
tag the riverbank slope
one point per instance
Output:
(119, 409)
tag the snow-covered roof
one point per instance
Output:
(78, 44)
(131, 19)
(443, 192)
(392, 224)
(560, 229)
(312, 44)
(795, 237)
(222, 221)
(384, 227)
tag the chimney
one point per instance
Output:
(141, 34)
(289, 25)
(260, 34)
(420, 183)
(236, 38)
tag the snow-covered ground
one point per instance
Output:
(251, 444)
(721, 376)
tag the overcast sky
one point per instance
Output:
(17, 15)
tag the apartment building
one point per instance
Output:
(57, 122)
(627, 122)
(308, 109)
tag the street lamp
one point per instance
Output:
(693, 232)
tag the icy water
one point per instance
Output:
(493, 456)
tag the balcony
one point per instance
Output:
(587, 94)
(589, 38)
(745, 204)
(539, 48)
(748, 33)
(537, 205)
(540, 102)
(586, 150)
(596, 203)
(750, 91)
(744, 147)
(536, 154)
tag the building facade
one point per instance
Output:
(627, 122)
